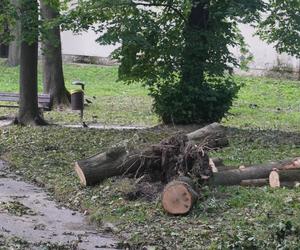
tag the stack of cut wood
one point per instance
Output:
(178, 196)
(275, 174)
(183, 164)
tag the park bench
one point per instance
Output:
(44, 100)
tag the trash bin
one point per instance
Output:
(77, 99)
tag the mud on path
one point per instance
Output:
(29, 219)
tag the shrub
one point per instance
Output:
(205, 102)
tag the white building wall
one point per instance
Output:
(84, 45)
(266, 60)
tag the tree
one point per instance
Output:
(31, 28)
(28, 107)
(14, 45)
(178, 49)
(29, 20)
(53, 78)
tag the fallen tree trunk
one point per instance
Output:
(100, 166)
(284, 178)
(179, 196)
(255, 182)
(179, 154)
(236, 176)
(211, 136)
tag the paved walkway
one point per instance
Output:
(29, 214)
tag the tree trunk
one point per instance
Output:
(212, 136)
(255, 182)
(28, 106)
(279, 178)
(118, 161)
(236, 176)
(114, 162)
(53, 77)
(196, 51)
(14, 46)
(179, 196)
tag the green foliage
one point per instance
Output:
(28, 12)
(7, 19)
(170, 45)
(29, 20)
(282, 26)
(208, 102)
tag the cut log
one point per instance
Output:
(274, 179)
(111, 163)
(120, 161)
(284, 178)
(236, 176)
(211, 136)
(178, 197)
(255, 182)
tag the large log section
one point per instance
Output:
(179, 196)
(120, 160)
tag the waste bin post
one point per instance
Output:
(79, 98)
(77, 101)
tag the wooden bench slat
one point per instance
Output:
(9, 99)
(47, 96)
(43, 100)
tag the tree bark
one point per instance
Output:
(255, 182)
(118, 161)
(28, 106)
(236, 176)
(195, 52)
(53, 77)
(212, 136)
(15, 45)
(179, 196)
(114, 162)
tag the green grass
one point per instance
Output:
(113, 101)
(264, 125)
(267, 104)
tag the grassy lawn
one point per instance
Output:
(265, 125)
(113, 102)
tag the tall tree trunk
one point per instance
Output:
(14, 46)
(28, 106)
(196, 51)
(53, 78)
